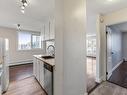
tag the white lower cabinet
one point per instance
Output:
(38, 70)
(42, 73)
(34, 66)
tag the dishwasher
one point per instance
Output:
(48, 79)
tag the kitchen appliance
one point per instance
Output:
(4, 60)
(48, 79)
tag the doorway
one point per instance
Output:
(91, 62)
(116, 54)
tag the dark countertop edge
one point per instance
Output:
(42, 59)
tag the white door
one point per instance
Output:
(109, 52)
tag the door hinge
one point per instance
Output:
(106, 73)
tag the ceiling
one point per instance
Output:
(40, 10)
(121, 26)
(95, 7)
(36, 12)
(105, 6)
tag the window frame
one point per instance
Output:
(33, 34)
(31, 49)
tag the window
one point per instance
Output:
(36, 41)
(28, 40)
(91, 47)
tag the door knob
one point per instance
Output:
(112, 52)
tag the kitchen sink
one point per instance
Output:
(47, 57)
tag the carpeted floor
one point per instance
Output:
(107, 88)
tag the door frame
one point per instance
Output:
(108, 73)
(105, 41)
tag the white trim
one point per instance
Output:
(117, 65)
(110, 73)
(86, 93)
(125, 59)
(21, 62)
(99, 80)
(98, 38)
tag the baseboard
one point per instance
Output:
(21, 62)
(99, 80)
(86, 93)
(110, 73)
(124, 59)
(117, 65)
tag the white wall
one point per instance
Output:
(16, 56)
(124, 45)
(91, 23)
(116, 46)
(116, 17)
(70, 47)
(59, 30)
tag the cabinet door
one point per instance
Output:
(42, 73)
(38, 71)
(34, 66)
(52, 29)
(46, 31)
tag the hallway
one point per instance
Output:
(119, 76)
(22, 81)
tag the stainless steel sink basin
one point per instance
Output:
(47, 57)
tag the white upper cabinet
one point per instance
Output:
(49, 30)
(52, 29)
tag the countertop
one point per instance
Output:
(50, 61)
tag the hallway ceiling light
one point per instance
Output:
(18, 27)
(23, 11)
(24, 5)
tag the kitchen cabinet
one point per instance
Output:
(46, 31)
(52, 29)
(49, 30)
(34, 66)
(42, 73)
(38, 70)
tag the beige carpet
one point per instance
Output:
(107, 88)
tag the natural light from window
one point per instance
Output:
(29, 40)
